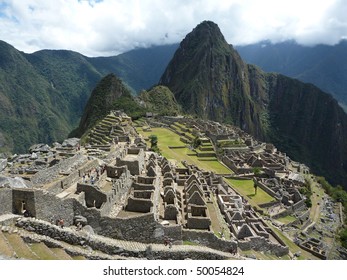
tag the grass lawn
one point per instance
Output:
(263, 256)
(20, 247)
(292, 246)
(317, 197)
(218, 223)
(286, 220)
(246, 189)
(42, 251)
(5, 248)
(167, 138)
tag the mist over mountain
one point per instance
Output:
(321, 65)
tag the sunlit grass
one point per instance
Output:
(246, 189)
(167, 138)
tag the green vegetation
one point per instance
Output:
(179, 152)
(43, 95)
(154, 143)
(246, 189)
(218, 224)
(262, 256)
(42, 251)
(20, 247)
(196, 143)
(287, 219)
(292, 246)
(256, 171)
(31, 109)
(230, 143)
(109, 94)
(186, 242)
(160, 100)
(307, 192)
(339, 195)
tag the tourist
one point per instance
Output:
(61, 223)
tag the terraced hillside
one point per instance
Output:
(174, 144)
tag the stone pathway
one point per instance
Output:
(123, 249)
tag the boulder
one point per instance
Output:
(56, 145)
(71, 142)
(15, 182)
(88, 229)
(80, 219)
(44, 148)
(34, 156)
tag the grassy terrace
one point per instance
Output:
(287, 219)
(180, 128)
(316, 198)
(246, 189)
(167, 138)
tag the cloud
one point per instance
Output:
(108, 27)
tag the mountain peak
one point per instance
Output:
(206, 73)
(207, 33)
(207, 25)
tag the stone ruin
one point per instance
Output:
(116, 186)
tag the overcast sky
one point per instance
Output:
(109, 27)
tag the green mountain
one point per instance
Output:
(109, 94)
(139, 69)
(322, 65)
(30, 107)
(43, 95)
(160, 100)
(112, 94)
(210, 81)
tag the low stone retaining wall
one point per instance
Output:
(209, 239)
(260, 243)
(110, 247)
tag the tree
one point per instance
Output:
(255, 188)
(154, 143)
(154, 140)
(256, 171)
(196, 142)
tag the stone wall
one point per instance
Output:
(140, 228)
(208, 239)
(93, 196)
(135, 166)
(139, 205)
(142, 187)
(300, 204)
(198, 222)
(265, 188)
(72, 178)
(5, 200)
(270, 204)
(108, 246)
(282, 214)
(115, 171)
(50, 208)
(23, 199)
(260, 243)
(66, 165)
